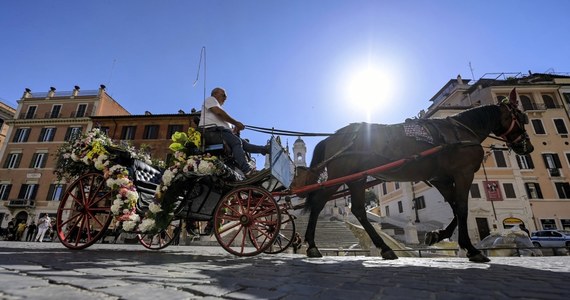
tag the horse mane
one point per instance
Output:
(486, 118)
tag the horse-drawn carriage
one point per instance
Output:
(244, 214)
(113, 182)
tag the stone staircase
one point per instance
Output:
(330, 233)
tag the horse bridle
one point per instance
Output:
(515, 122)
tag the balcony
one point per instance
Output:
(21, 203)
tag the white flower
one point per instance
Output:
(154, 208)
(135, 218)
(115, 209)
(147, 225)
(205, 167)
(129, 225)
(74, 157)
(132, 196)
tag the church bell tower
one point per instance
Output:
(299, 152)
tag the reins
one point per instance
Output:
(284, 132)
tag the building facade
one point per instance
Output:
(509, 189)
(43, 121)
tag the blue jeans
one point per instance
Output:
(239, 147)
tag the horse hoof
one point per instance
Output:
(432, 237)
(314, 252)
(478, 258)
(389, 255)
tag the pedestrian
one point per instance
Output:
(523, 228)
(43, 225)
(31, 231)
(20, 230)
(11, 230)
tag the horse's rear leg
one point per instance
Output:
(447, 189)
(359, 211)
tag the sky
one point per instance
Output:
(299, 65)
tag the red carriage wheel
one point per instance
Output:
(84, 213)
(246, 221)
(163, 238)
(286, 234)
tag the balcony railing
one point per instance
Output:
(21, 203)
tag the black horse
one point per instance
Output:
(361, 146)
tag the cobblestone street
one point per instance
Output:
(51, 271)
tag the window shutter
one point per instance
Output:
(22, 191)
(42, 133)
(556, 160)
(34, 191)
(530, 162)
(63, 189)
(538, 191)
(33, 162)
(44, 161)
(67, 134)
(16, 135)
(18, 159)
(50, 191)
(27, 132)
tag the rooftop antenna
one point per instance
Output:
(202, 56)
(471, 69)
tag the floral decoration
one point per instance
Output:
(93, 151)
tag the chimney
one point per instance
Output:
(103, 87)
(75, 91)
(51, 92)
(181, 112)
(147, 113)
(459, 80)
(27, 93)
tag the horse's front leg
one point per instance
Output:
(358, 209)
(316, 204)
(447, 189)
(462, 210)
(439, 235)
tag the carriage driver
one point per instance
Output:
(214, 114)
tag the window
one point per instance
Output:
(509, 190)
(28, 191)
(396, 185)
(549, 101)
(150, 132)
(525, 162)
(563, 190)
(551, 160)
(533, 190)
(560, 126)
(1, 124)
(55, 110)
(387, 209)
(419, 203)
(5, 191)
(72, 133)
(56, 192)
(537, 126)
(500, 159)
(384, 188)
(31, 113)
(566, 97)
(548, 224)
(81, 108)
(172, 129)
(475, 192)
(38, 160)
(128, 133)
(526, 102)
(47, 134)
(105, 130)
(400, 207)
(21, 135)
(13, 160)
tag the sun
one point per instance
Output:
(369, 88)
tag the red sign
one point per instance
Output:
(493, 190)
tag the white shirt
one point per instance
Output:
(210, 118)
